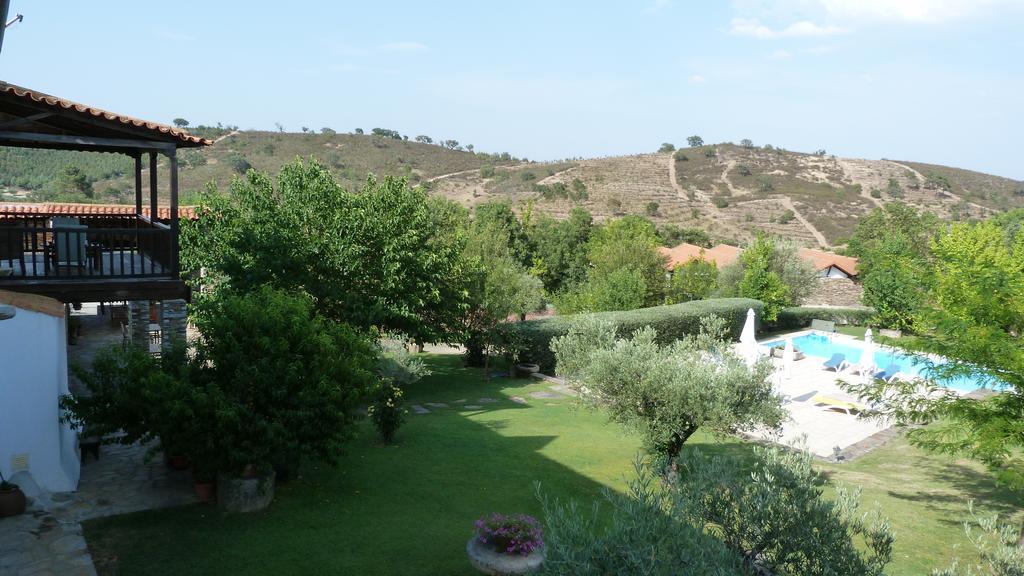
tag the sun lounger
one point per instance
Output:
(837, 362)
(836, 405)
(889, 373)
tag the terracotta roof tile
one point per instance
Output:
(822, 260)
(62, 103)
(71, 209)
(723, 255)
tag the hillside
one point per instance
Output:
(730, 191)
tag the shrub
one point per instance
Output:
(743, 170)
(487, 171)
(876, 193)
(527, 176)
(671, 323)
(651, 208)
(387, 413)
(786, 217)
(765, 183)
(796, 317)
(397, 365)
(894, 189)
(710, 152)
(510, 534)
(721, 202)
(238, 163)
(680, 156)
(667, 147)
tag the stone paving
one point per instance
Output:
(47, 539)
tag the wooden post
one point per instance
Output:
(173, 156)
(152, 186)
(138, 184)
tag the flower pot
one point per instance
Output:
(12, 501)
(526, 370)
(486, 560)
(205, 491)
(245, 494)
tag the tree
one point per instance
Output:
(772, 268)
(71, 180)
(627, 243)
(238, 163)
(327, 131)
(666, 393)
(667, 147)
(974, 318)
(672, 235)
(747, 143)
(760, 282)
(359, 130)
(695, 280)
(500, 286)
(695, 141)
(386, 133)
(424, 139)
(399, 270)
(180, 122)
(451, 144)
(893, 243)
(723, 516)
(501, 216)
(557, 254)
(305, 129)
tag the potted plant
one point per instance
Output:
(12, 499)
(506, 545)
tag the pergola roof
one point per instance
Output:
(38, 120)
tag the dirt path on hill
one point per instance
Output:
(849, 170)
(921, 179)
(788, 203)
(550, 179)
(228, 135)
(724, 179)
(452, 174)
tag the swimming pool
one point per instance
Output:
(824, 346)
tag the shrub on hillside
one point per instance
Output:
(671, 323)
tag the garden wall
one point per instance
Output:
(671, 323)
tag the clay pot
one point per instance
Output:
(205, 491)
(12, 501)
(486, 560)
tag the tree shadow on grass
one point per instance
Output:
(406, 509)
(971, 485)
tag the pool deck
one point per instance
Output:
(822, 427)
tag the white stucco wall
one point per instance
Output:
(33, 376)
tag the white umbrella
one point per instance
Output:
(787, 358)
(748, 344)
(867, 357)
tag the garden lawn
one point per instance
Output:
(408, 509)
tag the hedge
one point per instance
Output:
(798, 317)
(673, 322)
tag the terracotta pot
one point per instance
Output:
(488, 561)
(205, 491)
(178, 463)
(12, 502)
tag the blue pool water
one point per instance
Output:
(822, 346)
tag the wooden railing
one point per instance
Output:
(34, 247)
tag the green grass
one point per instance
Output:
(409, 508)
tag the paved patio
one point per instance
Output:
(47, 539)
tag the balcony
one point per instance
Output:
(93, 257)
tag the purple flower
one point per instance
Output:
(510, 534)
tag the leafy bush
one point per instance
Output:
(998, 549)
(238, 163)
(671, 323)
(386, 412)
(680, 156)
(527, 176)
(786, 217)
(667, 147)
(720, 202)
(487, 171)
(397, 364)
(510, 534)
(652, 208)
(765, 183)
(796, 317)
(876, 193)
(743, 170)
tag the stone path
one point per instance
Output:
(47, 539)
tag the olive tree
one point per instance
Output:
(667, 393)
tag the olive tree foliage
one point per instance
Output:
(776, 517)
(975, 319)
(376, 259)
(996, 546)
(668, 392)
(719, 516)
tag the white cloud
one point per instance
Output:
(403, 47)
(657, 6)
(754, 28)
(927, 11)
(697, 80)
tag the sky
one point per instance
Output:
(939, 81)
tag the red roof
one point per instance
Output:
(71, 209)
(723, 255)
(63, 104)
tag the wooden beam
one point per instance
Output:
(115, 144)
(173, 156)
(152, 186)
(26, 120)
(138, 184)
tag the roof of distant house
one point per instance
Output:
(44, 209)
(724, 255)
